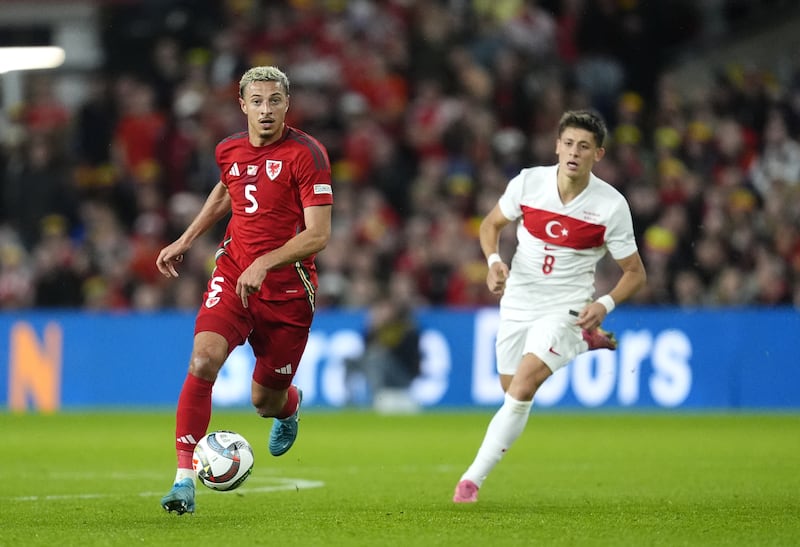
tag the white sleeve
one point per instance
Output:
(510, 201)
(620, 239)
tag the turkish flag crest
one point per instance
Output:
(274, 168)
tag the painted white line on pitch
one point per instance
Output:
(282, 484)
(89, 475)
(271, 474)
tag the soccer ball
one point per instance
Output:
(223, 460)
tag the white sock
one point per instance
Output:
(506, 426)
(185, 474)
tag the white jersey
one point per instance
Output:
(560, 245)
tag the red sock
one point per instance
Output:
(192, 417)
(292, 398)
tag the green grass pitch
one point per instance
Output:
(356, 478)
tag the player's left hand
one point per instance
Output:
(250, 282)
(591, 316)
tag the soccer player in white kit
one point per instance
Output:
(568, 219)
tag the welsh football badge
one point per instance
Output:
(274, 168)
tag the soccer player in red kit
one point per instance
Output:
(276, 183)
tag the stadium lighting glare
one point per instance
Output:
(30, 58)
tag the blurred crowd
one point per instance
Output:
(427, 110)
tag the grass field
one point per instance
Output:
(363, 479)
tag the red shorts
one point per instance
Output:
(276, 329)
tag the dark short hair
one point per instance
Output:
(585, 119)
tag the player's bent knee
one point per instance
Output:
(206, 366)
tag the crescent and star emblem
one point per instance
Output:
(555, 229)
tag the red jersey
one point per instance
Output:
(269, 187)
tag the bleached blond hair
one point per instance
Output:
(263, 74)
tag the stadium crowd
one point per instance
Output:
(427, 109)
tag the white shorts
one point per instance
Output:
(553, 338)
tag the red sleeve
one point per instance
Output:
(314, 176)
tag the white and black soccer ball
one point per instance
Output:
(223, 460)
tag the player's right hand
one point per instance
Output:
(497, 277)
(168, 257)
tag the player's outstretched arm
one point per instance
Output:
(217, 205)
